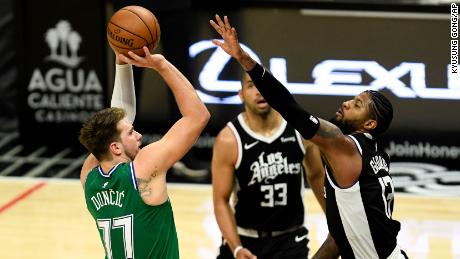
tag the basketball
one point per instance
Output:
(131, 28)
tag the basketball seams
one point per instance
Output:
(130, 49)
(125, 33)
(114, 24)
(157, 31)
(146, 25)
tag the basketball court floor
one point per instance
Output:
(47, 218)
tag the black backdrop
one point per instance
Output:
(327, 57)
(324, 56)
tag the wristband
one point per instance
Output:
(237, 249)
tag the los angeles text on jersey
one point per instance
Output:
(108, 197)
(269, 166)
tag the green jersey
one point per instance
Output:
(128, 227)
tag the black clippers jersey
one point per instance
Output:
(269, 178)
(359, 217)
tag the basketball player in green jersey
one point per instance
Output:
(125, 185)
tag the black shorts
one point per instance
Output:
(292, 245)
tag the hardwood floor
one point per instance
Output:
(47, 218)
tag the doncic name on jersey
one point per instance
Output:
(108, 197)
(269, 166)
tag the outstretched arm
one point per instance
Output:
(124, 95)
(153, 161)
(338, 149)
(272, 90)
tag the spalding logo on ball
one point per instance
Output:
(131, 28)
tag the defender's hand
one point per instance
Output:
(230, 44)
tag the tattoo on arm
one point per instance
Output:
(143, 185)
(328, 130)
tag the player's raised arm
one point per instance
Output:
(124, 94)
(156, 158)
(337, 148)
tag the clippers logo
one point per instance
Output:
(64, 44)
(331, 77)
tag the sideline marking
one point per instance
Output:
(22, 196)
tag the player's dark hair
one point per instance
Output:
(100, 130)
(381, 110)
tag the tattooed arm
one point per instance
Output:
(143, 185)
(340, 152)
